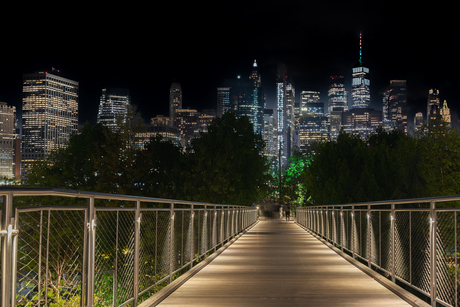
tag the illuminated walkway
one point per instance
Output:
(279, 264)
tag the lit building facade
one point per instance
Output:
(7, 140)
(337, 95)
(360, 85)
(445, 114)
(186, 121)
(175, 101)
(49, 115)
(223, 100)
(395, 105)
(362, 121)
(113, 107)
(418, 121)
(433, 105)
(309, 103)
(269, 134)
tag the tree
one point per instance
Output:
(227, 165)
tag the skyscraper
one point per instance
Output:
(395, 104)
(309, 103)
(223, 100)
(175, 101)
(285, 97)
(433, 105)
(7, 140)
(360, 86)
(418, 121)
(113, 107)
(49, 115)
(337, 95)
(445, 114)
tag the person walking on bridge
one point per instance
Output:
(287, 211)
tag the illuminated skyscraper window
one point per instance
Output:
(175, 101)
(336, 94)
(113, 107)
(49, 115)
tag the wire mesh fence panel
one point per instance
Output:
(106, 258)
(420, 242)
(347, 218)
(147, 250)
(386, 245)
(402, 245)
(197, 232)
(361, 233)
(163, 244)
(445, 257)
(50, 258)
(374, 221)
(29, 271)
(209, 228)
(179, 239)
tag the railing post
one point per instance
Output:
(91, 226)
(7, 250)
(393, 243)
(342, 226)
(214, 229)
(137, 229)
(369, 237)
(192, 216)
(353, 237)
(433, 252)
(171, 241)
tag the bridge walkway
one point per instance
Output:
(277, 263)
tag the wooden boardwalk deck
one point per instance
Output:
(279, 264)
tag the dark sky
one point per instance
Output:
(144, 47)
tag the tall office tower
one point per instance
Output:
(360, 86)
(7, 140)
(113, 107)
(283, 114)
(395, 104)
(258, 99)
(175, 101)
(247, 98)
(418, 121)
(362, 121)
(337, 95)
(49, 115)
(445, 114)
(309, 103)
(269, 135)
(313, 124)
(223, 100)
(433, 105)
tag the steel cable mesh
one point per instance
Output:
(445, 257)
(105, 258)
(164, 241)
(28, 271)
(348, 229)
(125, 256)
(179, 238)
(402, 245)
(361, 233)
(386, 241)
(197, 230)
(147, 249)
(59, 238)
(375, 237)
(420, 241)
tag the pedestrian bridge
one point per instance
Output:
(71, 248)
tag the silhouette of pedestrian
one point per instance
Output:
(287, 211)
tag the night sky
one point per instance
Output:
(200, 44)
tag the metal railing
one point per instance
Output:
(413, 242)
(69, 248)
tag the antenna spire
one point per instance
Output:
(360, 48)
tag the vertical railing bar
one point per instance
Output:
(40, 257)
(455, 257)
(156, 243)
(393, 243)
(14, 259)
(433, 253)
(369, 238)
(214, 229)
(192, 215)
(115, 263)
(84, 260)
(171, 242)
(91, 251)
(7, 250)
(353, 225)
(380, 238)
(410, 247)
(182, 239)
(47, 256)
(137, 228)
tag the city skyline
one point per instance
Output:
(201, 50)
